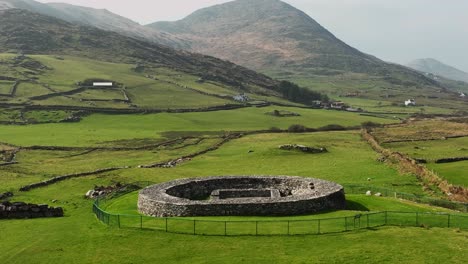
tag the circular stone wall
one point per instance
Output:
(241, 196)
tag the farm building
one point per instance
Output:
(241, 98)
(103, 84)
(410, 102)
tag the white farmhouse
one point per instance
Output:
(103, 84)
(241, 98)
(410, 102)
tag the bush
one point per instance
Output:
(332, 127)
(370, 124)
(275, 129)
(297, 129)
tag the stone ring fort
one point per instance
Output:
(241, 196)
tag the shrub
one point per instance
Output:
(370, 124)
(297, 129)
(332, 127)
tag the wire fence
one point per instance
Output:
(292, 227)
(359, 189)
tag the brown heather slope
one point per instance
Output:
(270, 35)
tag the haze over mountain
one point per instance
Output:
(100, 18)
(436, 67)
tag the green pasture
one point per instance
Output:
(80, 238)
(432, 149)
(356, 203)
(98, 128)
(455, 172)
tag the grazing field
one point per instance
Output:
(79, 237)
(46, 150)
(433, 149)
(367, 91)
(99, 128)
(436, 147)
(127, 205)
(421, 130)
(455, 172)
(151, 87)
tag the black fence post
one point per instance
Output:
(194, 224)
(256, 228)
(166, 224)
(367, 216)
(118, 220)
(141, 222)
(318, 227)
(448, 221)
(288, 227)
(386, 216)
(346, 223)
(225, 228)
(417, 218)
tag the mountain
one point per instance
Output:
(273, 36)
(33, 33)
(100, 18)
(264, 34)
(436, 67)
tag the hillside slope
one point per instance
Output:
(436, 67)
(270, 35)
(32, 33)
(100, 18)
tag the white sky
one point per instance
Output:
(393, 30)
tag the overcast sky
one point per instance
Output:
(393, 30)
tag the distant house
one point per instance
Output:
(103, 84)
(339, 105)
(241, 98)
(462, 95)
(410, 102)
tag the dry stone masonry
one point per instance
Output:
(20, 210)
(241, 196)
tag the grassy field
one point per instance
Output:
(98, 128)
(455, 172)
(421, 130)
(434, 149)
(80, 238)
(127, 205)
(372, 89)
(166, 89)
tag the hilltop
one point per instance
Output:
(436, 67)
(100, 18)
(270, 35)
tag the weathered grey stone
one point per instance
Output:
(191, 197)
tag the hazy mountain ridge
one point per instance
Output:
(100, 18)
(436, 67)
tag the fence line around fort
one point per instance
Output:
(286, 227)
